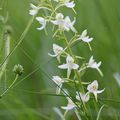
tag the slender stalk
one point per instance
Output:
(20, 40)
(98, 116)
(7, 51)
(10, 86)
(65, 113)
(77, 114)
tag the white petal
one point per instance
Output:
(68, 72)
(87, 39)
(33, 6)
(93, 64)
(59, 16)
(68, 107)
(73, 29)
(95, 94)
(65, 107)
(57, 46)
(99, 64)
(69, 59)
(70, 4)
(68, 24)
(41, 28)
(64, 66)
(75, 66)
(91, 60)
(57, 49)
(93, 86)
(95, 83)
(40, 19)
(67, 28)
(32, 12)
(73, 22)
(67, 20)
(100, 91)
(84, 33)
(51, 55)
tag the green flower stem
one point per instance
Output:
(98, 116)
(7, 51)
(20, 40)
(9, 86)
(65, 113)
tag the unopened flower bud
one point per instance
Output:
(18, 69)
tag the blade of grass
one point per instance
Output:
(98, 116)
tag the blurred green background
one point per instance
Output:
(100, 17)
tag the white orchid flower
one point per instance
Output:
(34, 10)
(84, 97)
(69, 25)
(93, 88)
(59, 81)
(64, 23)
(59, 20)
(58, 50)
(69, 65)
(71, 105)
(94, 65)
(85, 38)
(42, 21)
(67, 3)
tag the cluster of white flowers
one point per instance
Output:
(65, 24)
